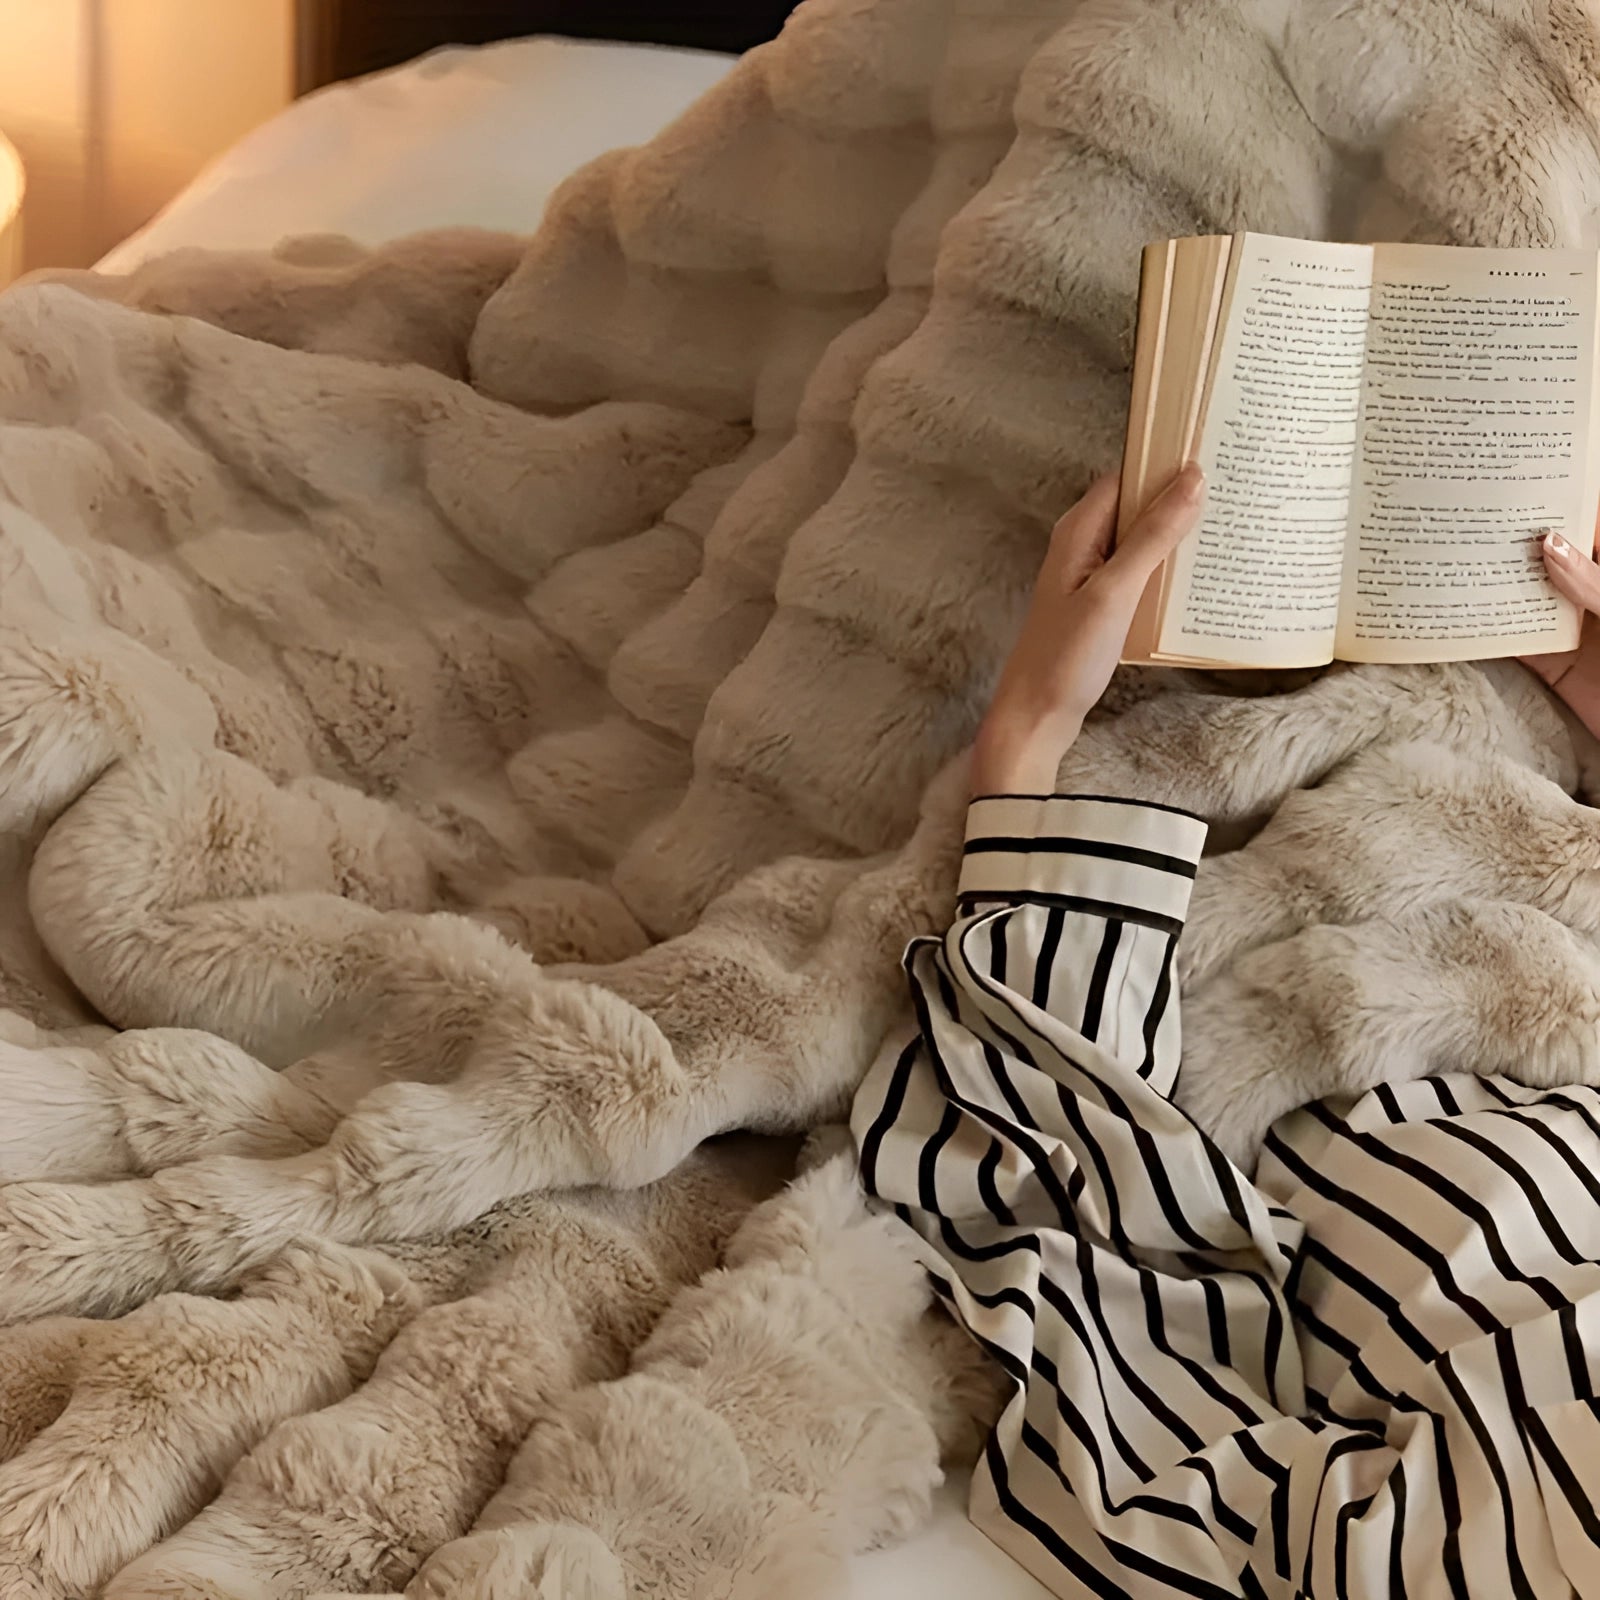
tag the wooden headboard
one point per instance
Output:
(344, 38)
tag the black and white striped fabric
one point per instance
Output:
(1369, 1373)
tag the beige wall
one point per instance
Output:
(116, 104)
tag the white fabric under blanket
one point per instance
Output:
(948, 1560)
(483, 137)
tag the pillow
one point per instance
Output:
(462, 136)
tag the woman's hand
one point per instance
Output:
(1575, 674)
(1072, 639)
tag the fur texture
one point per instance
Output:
(479, 717)
(812, 1357)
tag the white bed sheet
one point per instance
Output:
(483, 137)
(947, 1560)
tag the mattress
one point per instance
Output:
(483, 137)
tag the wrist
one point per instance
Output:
(1020, 755)
(1578, 686)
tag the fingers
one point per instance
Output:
(1572, 572)
(1170, 516)
(1082, 541)
(1083, 537)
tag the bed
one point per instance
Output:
(482, 134)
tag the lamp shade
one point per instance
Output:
(116, 104)
(13, 182)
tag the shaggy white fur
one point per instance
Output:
(480, 717)
(812, 1357)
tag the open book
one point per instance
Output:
(1386, 431)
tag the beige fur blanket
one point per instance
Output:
(480, 717)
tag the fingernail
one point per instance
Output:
(1557, 546)
(1191, 482)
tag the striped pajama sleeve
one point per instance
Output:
(1368, 1373)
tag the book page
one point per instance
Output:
(1258, 583)
(1475, 433)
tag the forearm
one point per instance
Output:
(1074, 632)
(1577, 685)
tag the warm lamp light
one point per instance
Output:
(13, 182)
(116, 104)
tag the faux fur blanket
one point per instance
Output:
(480, 717)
